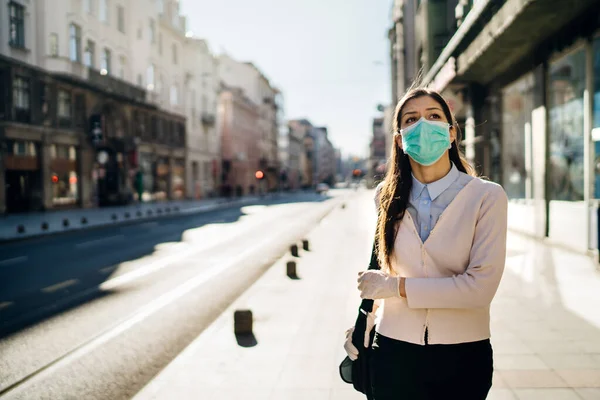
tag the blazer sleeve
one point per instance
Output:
(477, 286)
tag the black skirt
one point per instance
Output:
(401, 370)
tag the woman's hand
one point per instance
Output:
(375, 284)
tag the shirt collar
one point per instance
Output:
(434, 188)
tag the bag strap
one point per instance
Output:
(366, 306)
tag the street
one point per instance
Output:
(113, 306)
(159, 326)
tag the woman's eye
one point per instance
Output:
(435, 116)
(409, 120)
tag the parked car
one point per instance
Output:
(322, 188)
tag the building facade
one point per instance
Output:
(528, 93)
(74, 130)
(200, 102)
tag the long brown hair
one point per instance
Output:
(395, 191)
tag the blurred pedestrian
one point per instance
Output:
(441, 245)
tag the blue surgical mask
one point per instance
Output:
(426, 141)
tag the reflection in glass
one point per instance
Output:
(565, 92)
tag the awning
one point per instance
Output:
(519, 30)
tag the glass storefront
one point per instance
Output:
(596, 118)
(565, 94)
(64, 175)
(517, 105)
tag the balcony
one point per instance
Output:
(116, 86)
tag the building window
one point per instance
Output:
(161, 6)
(75, 43)
(89, 55)
(122, 66)
(105, 63)
(88, 6)
(64, 104)
(121, 19)
(103, 14)
(21, 93)
(17, 24)
(150, 77)
(174, 96)
(565, 92)
(160, 44)
(139, 80)
(53, 45)
(152, 31)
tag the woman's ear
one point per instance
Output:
(452, 134)
(398, 139)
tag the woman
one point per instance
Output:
(441, 238)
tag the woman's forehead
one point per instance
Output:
(420, 104)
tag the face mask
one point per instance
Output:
(426, 141)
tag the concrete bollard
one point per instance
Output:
(291, 269)
(294, 250)
(305, 245)
(242, 322)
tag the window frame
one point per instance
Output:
(120, 18)
(16, 22)
(75, 42)
(92, 61)
(64, 101)
(53, 45)
(106, 60)
(21, 90)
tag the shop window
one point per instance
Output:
(596, 118)
(64, 188)
(517, 106)
(565, 93)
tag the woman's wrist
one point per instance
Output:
(402, 287)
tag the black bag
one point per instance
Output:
(357, 372)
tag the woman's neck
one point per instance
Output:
(431, 173)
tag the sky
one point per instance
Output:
(328, 57)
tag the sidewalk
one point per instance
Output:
(18, 226)
(546, 325)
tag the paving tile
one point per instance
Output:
(588, 393)
(532, 379)
(582, 378)
(345, 394)
(515, 362)
(501, 394)
(299, 394)
(546, 394)
(570, 361)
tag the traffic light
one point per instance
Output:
(259, 175)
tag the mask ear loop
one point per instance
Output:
(450, 145)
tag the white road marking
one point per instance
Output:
(12, 261)
(91, 243)
(59, 286)
(5, 304)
